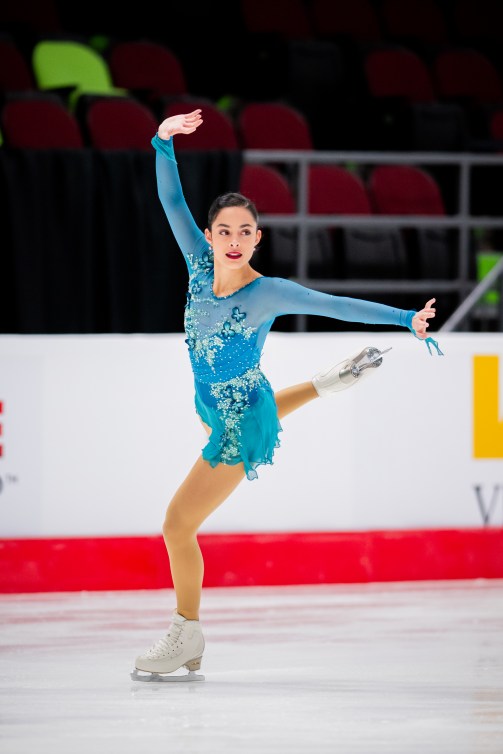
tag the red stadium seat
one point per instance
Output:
(356, 20)
(119, 123)
(398, 72)
(421, 20)
(467, 74)
(335, 190)
(287, 18)
(405, 111)
(410, 190)
(268, 189)
(39, 122)
(148, 69)
(404, 190)
(217, 132)
(15, 72)
(272, 125)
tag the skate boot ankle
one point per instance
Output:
(348, 372)
(183, 646)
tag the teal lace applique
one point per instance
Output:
(238, 315)
(191, 342)
(227, 331)
(237, 401)
(232, 400)
(195, 287)
(207, 261)
(204, 263)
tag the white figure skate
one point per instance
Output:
(348, 372)
(183, 646)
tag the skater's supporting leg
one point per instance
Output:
(202, 491)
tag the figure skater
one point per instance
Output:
(229, 312)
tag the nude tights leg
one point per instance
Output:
(292, 398)
(203, 491)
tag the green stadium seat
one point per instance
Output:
(73, 67)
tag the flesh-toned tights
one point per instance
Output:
(203, 490)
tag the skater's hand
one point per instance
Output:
(420, 320)
(185, 123)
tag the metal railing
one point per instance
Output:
(462, 221)
(495, 276)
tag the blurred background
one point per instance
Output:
(369, 133)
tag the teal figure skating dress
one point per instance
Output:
(225, 335)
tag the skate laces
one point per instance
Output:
(167, 644)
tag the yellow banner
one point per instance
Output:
(487, 426)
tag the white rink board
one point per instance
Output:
(99, 430)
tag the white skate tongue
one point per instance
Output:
(168, 642)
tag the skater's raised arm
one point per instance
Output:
(288, 297)
(189, 237)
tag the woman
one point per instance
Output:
(230, 309)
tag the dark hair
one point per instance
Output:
(230, 200)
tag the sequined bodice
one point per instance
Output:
(221, 335)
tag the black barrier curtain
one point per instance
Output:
(85, 246)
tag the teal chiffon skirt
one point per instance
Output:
(243, 418)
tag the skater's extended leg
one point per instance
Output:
(293, 397)
(341, 376)
(202, 491)
(349, 372)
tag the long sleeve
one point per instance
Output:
(287, 297)
(189, 237)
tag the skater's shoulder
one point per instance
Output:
(274, 282)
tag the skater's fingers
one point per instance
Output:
(420, 317)
(420, 323)
(425, 316)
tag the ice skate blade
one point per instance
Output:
(189, 677)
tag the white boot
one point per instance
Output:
(348, 372)
(183, 646)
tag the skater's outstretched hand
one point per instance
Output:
(185, 123)
(420, 320)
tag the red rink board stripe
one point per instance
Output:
(116, 563)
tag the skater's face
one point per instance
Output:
(233, 236)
